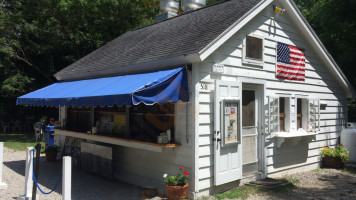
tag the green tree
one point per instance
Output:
(40, 37)
(334, 21)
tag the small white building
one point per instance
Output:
(258, 96)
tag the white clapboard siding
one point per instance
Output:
(205, 129)
(206, 161)
(291, 164)
(319, 83)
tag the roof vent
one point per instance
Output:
(188, 5)
(169, 8)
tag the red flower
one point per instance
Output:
(341, 145)
(181, 167)
(186, 173)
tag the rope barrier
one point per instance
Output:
(33, 174)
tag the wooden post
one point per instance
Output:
(3, 186)
(67, 178)
(28, 175)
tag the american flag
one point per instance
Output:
(290, 62)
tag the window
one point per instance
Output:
(273, 114)
(253, 51)
(253, 48)
(282, 114)
(248, 108)
(148, 122)
(78, 119)
(289, 113)
(299, 114)
(138, 122)
(314, 114)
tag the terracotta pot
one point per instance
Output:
(332, 162)
(51, 156)
(177, 192)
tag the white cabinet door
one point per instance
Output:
(227, 159)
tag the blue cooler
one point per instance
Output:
(49, 136)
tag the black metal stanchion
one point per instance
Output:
(37, 167)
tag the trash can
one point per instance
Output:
(49, 136)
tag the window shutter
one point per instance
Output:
(314, 113)
(273, 114)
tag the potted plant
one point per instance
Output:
(334, 157)
(177, 184)
(51, 153)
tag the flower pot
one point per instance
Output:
(332, 162)
(177, 192)
(51, 156)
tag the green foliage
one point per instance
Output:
(209, 2)
(334, 21)
(340, 151)
(39, 38)
(318, 170)
(176, 180)
(15, 85)
(291, 180)
(242, 192)
(19, 142)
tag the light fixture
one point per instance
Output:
(278, 10)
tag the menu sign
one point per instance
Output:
(231, 129)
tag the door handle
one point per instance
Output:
(217, 138)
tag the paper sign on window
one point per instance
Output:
(231, 124)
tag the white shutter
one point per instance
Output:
(273, 114)
(227, 159)
(314, 113)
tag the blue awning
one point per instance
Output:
(151, 87)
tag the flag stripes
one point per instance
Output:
(290, 63)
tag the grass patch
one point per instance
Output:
(204, 198)
(19, 141)
(349, 170)
(318, 170)
(242, 192)
(291, 180)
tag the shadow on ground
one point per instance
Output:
(84, 185)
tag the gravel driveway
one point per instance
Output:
(326, 184)
(84, 186)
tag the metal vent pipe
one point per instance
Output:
(169, 6)
(188, 5)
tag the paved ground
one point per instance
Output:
(84, 186)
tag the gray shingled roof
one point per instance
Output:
(182, 35)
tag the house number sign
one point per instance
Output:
(204, 87)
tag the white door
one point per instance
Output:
(227, 159)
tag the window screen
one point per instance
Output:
(248, 108)
(253, 48)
